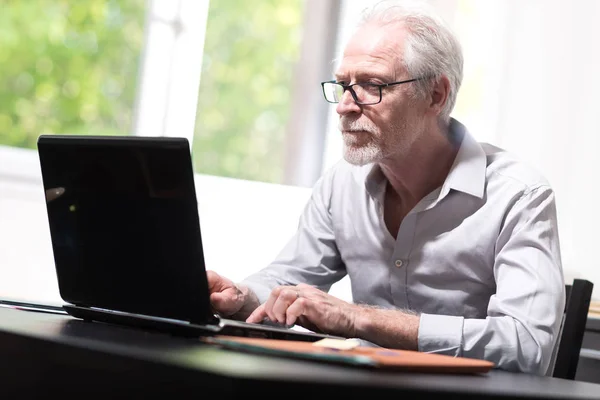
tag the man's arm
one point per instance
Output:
(388, 328)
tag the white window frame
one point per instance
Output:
(170, 68)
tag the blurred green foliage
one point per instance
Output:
(68, 67)
(250, 53)
(72, 66)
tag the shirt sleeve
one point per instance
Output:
(310, 256)
(525, 313)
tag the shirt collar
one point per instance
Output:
(466, 175)
(375, 181)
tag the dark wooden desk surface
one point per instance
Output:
(43, 354)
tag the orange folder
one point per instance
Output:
(361, 356)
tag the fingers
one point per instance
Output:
(222, 302)
(285, 305)
(295, 310)
(271, 302)
(225, 297)
(287, 296)
(257, 315)
(214, 280)
(282, 298)
(306, 306)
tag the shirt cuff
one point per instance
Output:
(441, 334)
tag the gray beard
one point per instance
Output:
(376, 150)
(362, 155)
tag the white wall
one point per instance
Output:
(549, 114)
(530, 87)
(26, 265)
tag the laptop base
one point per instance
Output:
(173, 327)
(186, 329)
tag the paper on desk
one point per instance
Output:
(337, 344)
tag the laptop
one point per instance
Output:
(126, 238)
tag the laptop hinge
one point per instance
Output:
(212, 319)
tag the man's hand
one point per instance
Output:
(309, 307)
(229, 299)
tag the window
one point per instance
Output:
(116, 67)
(250, 54)
(68, 67)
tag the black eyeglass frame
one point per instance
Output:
(353, 93)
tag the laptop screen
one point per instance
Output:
(124, 224)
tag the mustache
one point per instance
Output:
(355, 125)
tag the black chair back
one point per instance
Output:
(578, 297)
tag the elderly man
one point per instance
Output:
(451, 246)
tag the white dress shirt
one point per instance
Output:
(478, 258)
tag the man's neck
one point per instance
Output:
(423, 169)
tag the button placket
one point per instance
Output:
(401, 259)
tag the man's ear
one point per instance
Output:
(439, 94)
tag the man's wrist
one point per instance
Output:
(363, 321)
(249, 302)
(387, 328)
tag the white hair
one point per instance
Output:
(430, 48)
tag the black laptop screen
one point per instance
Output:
(124, 224)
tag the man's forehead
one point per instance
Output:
(373, 35)
(374, 46)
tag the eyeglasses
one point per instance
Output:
(362, 93)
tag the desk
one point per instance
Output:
(588, 368)
(43, 354)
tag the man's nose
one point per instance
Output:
(347, 104)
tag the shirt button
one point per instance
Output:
(399, 263)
